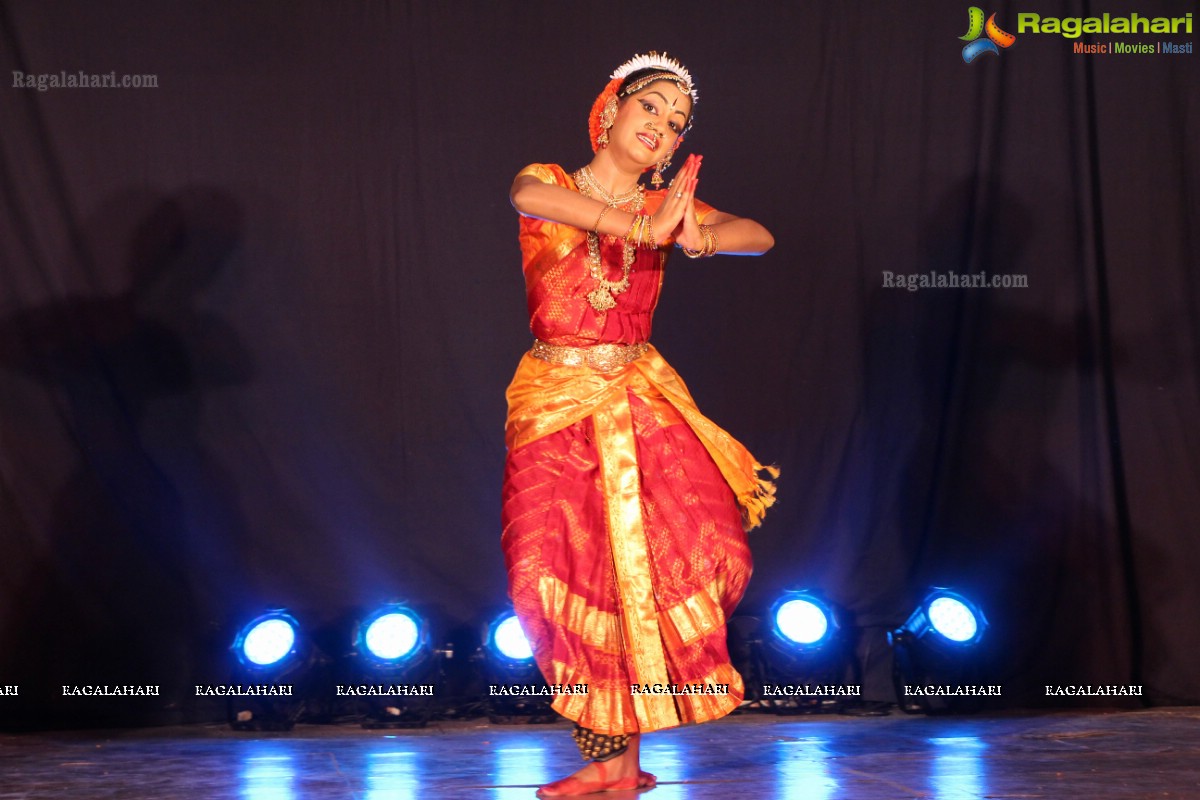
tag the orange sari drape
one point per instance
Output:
(624, 507)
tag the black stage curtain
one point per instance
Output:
(256, 323)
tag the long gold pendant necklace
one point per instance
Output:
(603, 297)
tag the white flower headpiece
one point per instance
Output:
(654, 60)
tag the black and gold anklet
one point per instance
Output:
(599, 746)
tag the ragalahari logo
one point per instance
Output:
(995, 40)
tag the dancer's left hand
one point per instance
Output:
(687, 234)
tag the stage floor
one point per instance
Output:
(1127, 754)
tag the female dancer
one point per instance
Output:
(625, 509)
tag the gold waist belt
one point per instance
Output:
(600, 357)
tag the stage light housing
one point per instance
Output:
(270, 643)
(939, 644)
(274, 649)
(391, 646)
(508, 661)
(801, 642)
(391, 638)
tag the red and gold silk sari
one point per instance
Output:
(625, 509)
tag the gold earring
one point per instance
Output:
(656, 180)
(607, 117)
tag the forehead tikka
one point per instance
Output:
(641, 83)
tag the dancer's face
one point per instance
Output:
(650, 121)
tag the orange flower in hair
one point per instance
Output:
(594, 128)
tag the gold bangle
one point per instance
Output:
(631, 234)
(708, 248)
(650, 232)
(637, 231)
(599, 219)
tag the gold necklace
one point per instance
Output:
(585, 179)
(602, 298)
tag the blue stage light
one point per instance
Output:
(939, 644)
(948, 620)
(507, 638)
(803, 621)
(274, 649)
(391, 635)
(800, 642)
(508, 661)
(953, 619)
(268, 642)
(392, 644)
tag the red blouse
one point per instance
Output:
(558, 277)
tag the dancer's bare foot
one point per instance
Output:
(616, 774)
